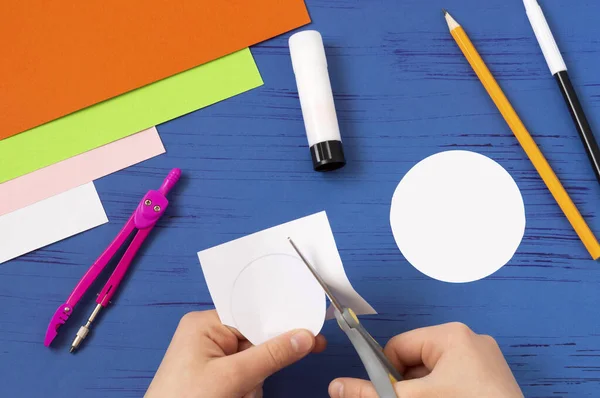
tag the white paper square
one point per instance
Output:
(223, 264)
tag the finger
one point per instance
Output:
(259, 362)
(244, 345)
(352, 388)
(356, 388)
(237, 333)
(418, 388)
(204, 333)
(196, 323)
(256, 393)
(320, 344)
(425, 346)
(416, 372)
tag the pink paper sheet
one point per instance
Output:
(78, 170)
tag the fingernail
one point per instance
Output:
(302, 341)
(338, 389)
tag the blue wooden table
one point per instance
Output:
(403, 92)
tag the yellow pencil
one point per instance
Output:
(531, 149)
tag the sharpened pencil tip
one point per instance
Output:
(72, 349)
(444, 11)
(452, 24)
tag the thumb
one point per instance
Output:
(352, 388)
(259, 362)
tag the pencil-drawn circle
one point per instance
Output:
(275, 294)
(458, 216)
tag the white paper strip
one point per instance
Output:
(49, 221)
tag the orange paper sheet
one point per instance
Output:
(59, 57)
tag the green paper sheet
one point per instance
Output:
(128, 114)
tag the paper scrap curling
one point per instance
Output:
(260, 286)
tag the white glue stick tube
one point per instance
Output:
(316, 99)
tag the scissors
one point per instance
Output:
(381, 372)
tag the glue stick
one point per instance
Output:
(316, 99)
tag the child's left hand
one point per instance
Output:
(207, 359)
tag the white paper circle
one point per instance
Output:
(275, 294)
(458, 216)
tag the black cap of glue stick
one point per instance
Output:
(316, 99)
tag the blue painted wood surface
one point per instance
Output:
(403, 92)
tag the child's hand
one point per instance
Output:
(441, 361)
(206, 359)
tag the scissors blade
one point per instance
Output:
(328, 292)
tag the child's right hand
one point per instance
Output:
(441, 361)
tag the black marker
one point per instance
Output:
(559, 71)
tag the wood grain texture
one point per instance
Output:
(403, 91)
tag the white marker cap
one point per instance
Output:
(544, 36)
(316, 99)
